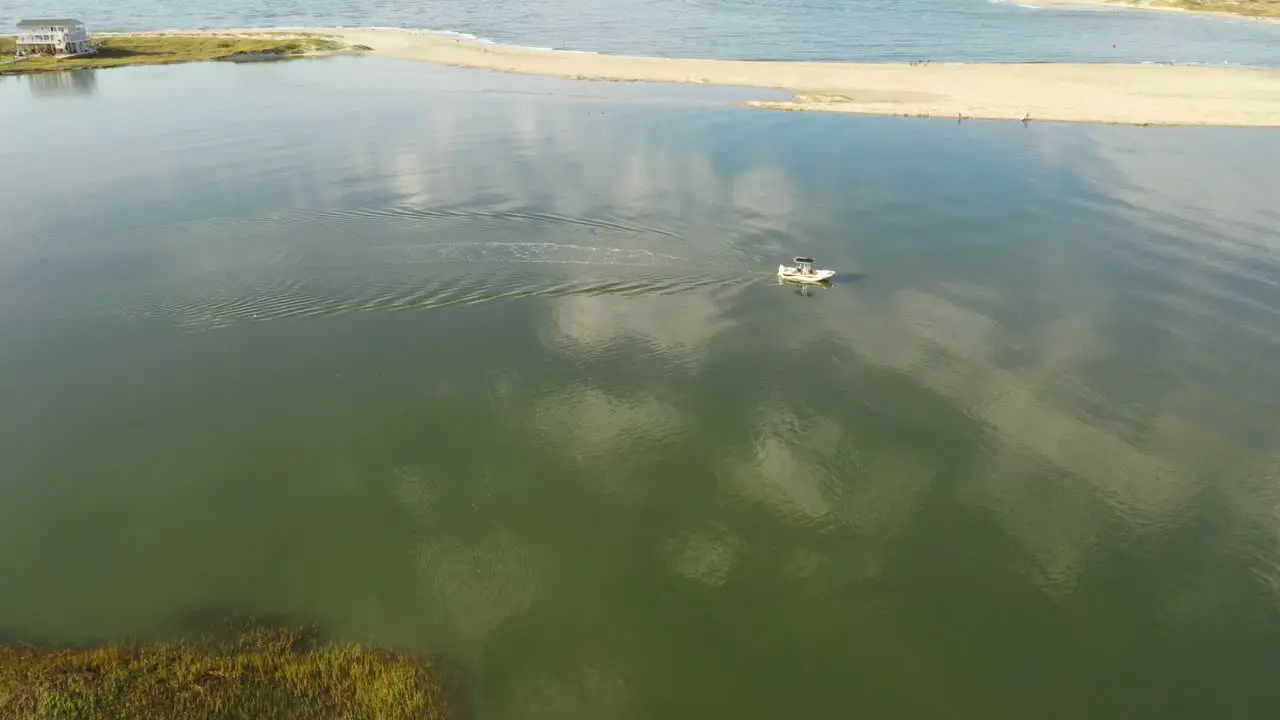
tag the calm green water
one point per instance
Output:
(497, 367)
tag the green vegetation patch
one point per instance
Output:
(1255, 8)
(260, 673)
(117, 51)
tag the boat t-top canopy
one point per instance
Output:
(804, 260)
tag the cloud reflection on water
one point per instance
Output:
(943, 332)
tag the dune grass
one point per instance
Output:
(122, 50)
(257, 673)
(1253, 8)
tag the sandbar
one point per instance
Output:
(1063, 92)
(1258, 10)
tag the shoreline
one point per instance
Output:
(1054, 92)
(114, 50)
(1155, 5)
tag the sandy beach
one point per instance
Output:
(1096, 93)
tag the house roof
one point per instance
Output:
(46, 23)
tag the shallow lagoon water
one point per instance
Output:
(496, 367)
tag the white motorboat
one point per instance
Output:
(803, 272)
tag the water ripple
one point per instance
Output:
(213, 273)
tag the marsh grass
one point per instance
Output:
(255, 673)
(122, 50)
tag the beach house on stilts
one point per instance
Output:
(61, 38)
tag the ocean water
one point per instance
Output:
(497, 368)
(856, 30)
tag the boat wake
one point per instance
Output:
(218, 273)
